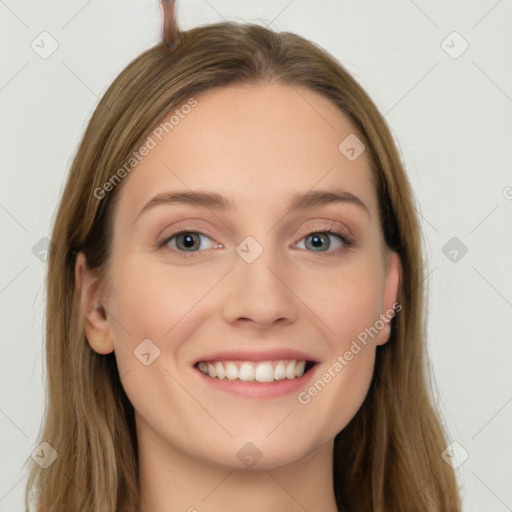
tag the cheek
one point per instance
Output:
(349, 305)
(346, 301)
(341, 384)
(164, 305)
(156, 303)
(149, 300)
(342, 388)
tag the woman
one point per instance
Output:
(235, 294)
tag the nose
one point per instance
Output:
(260, 293)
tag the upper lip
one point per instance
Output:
(257, 355)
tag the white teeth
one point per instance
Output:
(290, 370)
(299, 369)
(280, 371)
(211, 370)
(264, 372)
(231, 370)
(248, 371)
(219, 369)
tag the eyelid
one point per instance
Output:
(173, 230)
(336, 227)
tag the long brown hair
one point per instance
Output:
(388, 459)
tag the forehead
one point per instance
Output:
(251, 143)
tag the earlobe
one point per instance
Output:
(92, 312)
(390, 295)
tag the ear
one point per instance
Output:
(389, 297)
(92, 312)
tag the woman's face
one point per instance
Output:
(254, 284)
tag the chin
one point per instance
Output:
(263, 453)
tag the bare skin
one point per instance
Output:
(257, 146)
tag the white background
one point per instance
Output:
(451, 116)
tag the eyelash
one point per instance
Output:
(343, 237)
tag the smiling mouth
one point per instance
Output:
(250, 371)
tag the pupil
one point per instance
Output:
(317, 241)
(188, 240)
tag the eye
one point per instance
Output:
(187, 241)
(320, 241)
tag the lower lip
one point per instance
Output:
(259, 389)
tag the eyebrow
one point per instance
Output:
(215, 201)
